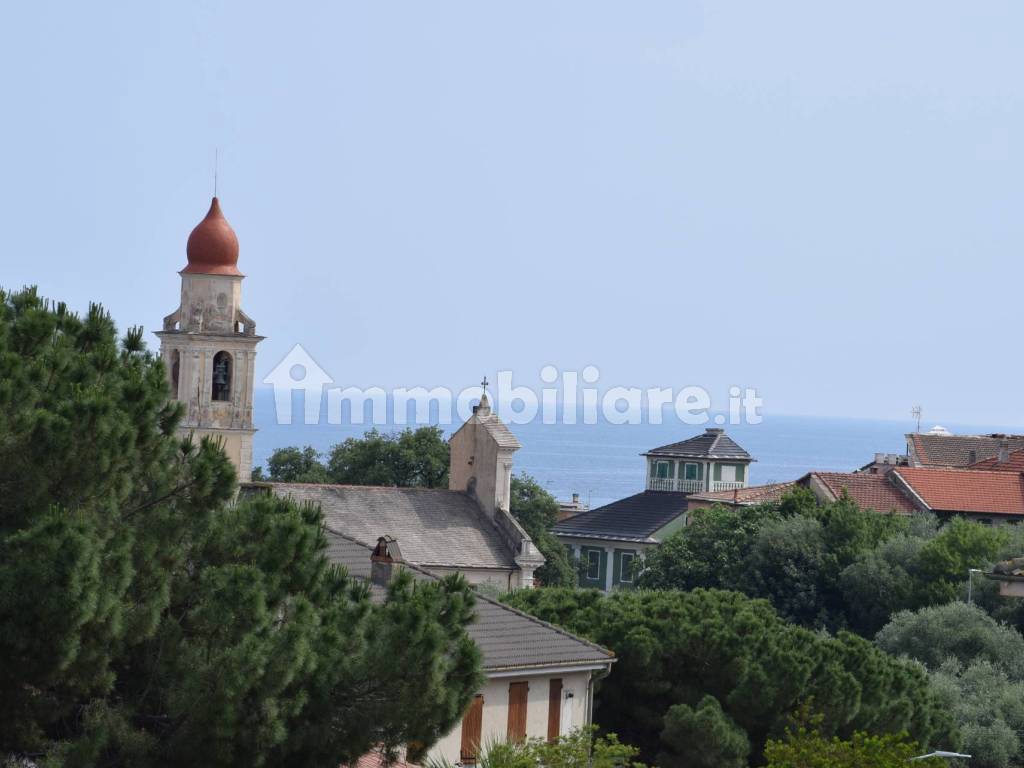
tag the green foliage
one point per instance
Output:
(955, 630)
(579, 749)
(945, 559)
(147, 621)
(805, 748)
(679, 647)
(296, 465)
(989, 707)
(410, 458)
(791, 553)
(711, 552)
(537, 510)
(702, 737)
(882, 582)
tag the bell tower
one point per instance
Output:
(208, 343)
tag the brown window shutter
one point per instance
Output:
(472, 730)
(555, 709)
(517, 695)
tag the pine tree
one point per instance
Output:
(146, 620)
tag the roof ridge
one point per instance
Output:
(963, 470)
(365, 487)
(714, 443)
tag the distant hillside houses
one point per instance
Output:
(980, 477)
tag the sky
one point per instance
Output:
(822, 202)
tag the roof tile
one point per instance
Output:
(966, 490)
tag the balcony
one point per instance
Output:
(673, 484)
(720, 485)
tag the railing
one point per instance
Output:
(673, 484)
(718, 485)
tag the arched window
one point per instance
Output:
(175, 371)
(222, 376)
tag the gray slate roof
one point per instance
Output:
(960, 450)
(508, 639)
(634, 518)
(434, 527)
(497, 429)
(713, 444)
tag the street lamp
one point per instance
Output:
(970, 582)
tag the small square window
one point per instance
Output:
(626, 567)
(594, 564)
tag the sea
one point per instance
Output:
(602, 462)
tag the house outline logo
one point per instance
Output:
(298, 371)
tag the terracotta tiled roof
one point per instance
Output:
(959, 450)
(1015, 463)
(754, 494)
(869, 491)
(966, 490)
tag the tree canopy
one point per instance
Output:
(537, 511)
(832, 565)
(147, 620)
(409, 458)
(675, 649)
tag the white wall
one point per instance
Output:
(495, 716)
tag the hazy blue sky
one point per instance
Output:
(821, 202)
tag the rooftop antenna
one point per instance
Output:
(916, 413)
(216, 162)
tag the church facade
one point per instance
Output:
(208, 343)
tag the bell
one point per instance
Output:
(220, 373)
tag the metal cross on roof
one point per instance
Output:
(484, 384)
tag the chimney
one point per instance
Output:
(1004, 452)
(386, 555)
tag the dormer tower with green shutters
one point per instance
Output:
(712, 461)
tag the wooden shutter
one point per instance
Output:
(472, 730)
(517, 695)
(555, 709)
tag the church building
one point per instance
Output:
(209, 344)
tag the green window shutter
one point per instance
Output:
(604, 567)
(717, 472)
(740, 472)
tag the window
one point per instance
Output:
(691, 471)
(593, 564)
(626, 567)
(472, 730)
(221, 377)
(517, 696)
(175, 371)
(663, 470)
(718, 472)
(740, 473)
